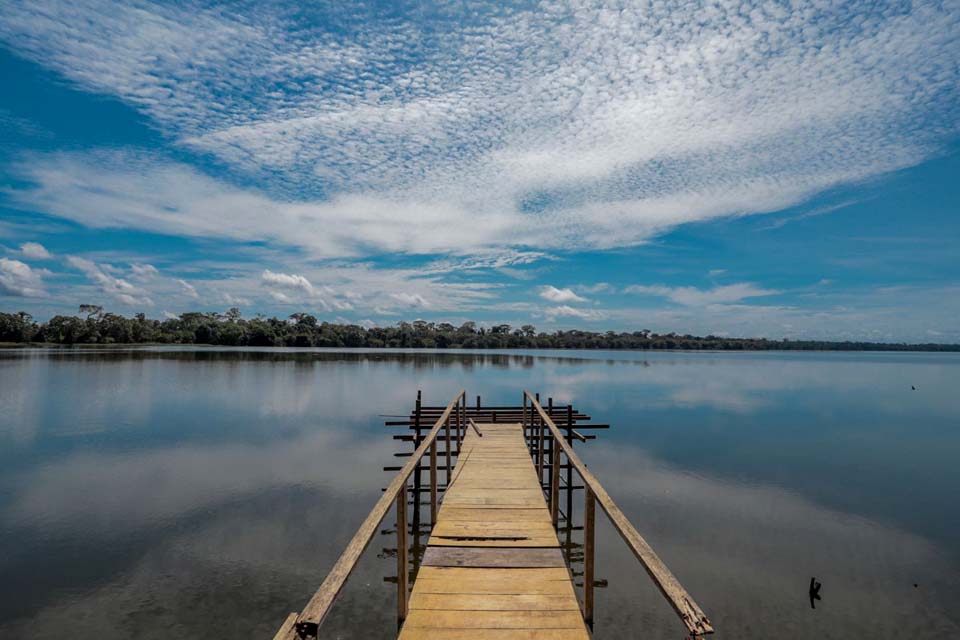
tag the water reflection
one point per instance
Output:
(191, 493)
(747, 552)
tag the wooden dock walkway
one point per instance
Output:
(493, 568)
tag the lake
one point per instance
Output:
(199, 493)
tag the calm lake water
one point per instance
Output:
(205, 493)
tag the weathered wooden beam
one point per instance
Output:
(433, 482)
(589, 542)
(475, 427)
(479, 419)
(447, 451)
(555, 482)
(288, 630)
(402, 575)
(410, 454)
(493, 557)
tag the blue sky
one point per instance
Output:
(755, 169)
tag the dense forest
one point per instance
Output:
(304, 330)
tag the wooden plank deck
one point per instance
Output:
(493, 568)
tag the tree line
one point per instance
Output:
(305, 330)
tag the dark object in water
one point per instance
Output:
(814, 592)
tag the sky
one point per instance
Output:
(775, 169)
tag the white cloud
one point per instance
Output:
(693, 297)
(566, 311)
(143, 271)
(119, 289)
(170, 316)
(327, 297)
(119, 190)
(288, 281)
(366, 288)
(554, 294)
(34, 251)
(598, 287)
(626, 120)
(188, 289)
(18, 279)
(235, 301)
(410, 299)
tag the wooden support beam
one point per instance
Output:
(555, 482)
(433, 482)
(540, 424)
(402, 575)
(475, 427)
(589, 542)
(447, 452)
(288, 630)
(569, 480)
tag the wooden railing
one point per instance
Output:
(307, 623)
(541, 427)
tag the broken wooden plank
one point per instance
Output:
(492, 558)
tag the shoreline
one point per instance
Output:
(878, 347)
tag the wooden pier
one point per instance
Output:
(493, 567)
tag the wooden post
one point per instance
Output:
(551, 446)
(570, 467)
(402, 554)
(456, 418)
(589, 542)
(540, 449)
(417, 478)
(416, 418)
(554, 481)
(462, 410)
(449, 444)
(523, 421)
(433, 482)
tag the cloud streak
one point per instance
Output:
(119, 289)
(554, 294)
(693, 297)
(34, 251)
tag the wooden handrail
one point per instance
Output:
(682, 602)
(309, 620)
(475, 427)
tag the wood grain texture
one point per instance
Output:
(287, 630)
(420, 633)
(461, 619)
(479, 557)
(493, 568)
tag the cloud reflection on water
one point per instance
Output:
(158, 492)
(748, 551)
